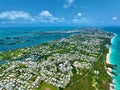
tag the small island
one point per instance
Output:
(77, 62)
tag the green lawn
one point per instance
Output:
(46, 86)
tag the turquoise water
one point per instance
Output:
(12, 38)
(115, 55)
(115, 59)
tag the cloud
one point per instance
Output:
(49, 19)
(68, 4)
(13, 15)
(45, 14)
(79, 14)
(114, 18)
(80, 20)
(25, 17)
(70, 1)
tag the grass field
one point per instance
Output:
(46, 86)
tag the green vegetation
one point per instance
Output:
(74, 63)
(46, 86)
(14, 54)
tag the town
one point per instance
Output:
(55, 62)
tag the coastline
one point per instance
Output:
(109, 70)
(92, 75)
(108, 54)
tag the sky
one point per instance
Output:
(59, 12)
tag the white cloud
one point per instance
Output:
(75, 21)
(25, 17)
(68, 3)
(13, 15)
(49, 19)
(45, 14)
(114, 18)
(81, 20)
(79, 14)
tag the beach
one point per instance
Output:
(108, 54)
(109, 70)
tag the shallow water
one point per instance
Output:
(12, 38)
(115, 54)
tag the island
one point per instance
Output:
(77, 62)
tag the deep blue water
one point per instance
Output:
(115, 54)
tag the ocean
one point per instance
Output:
(115, 54)
(12, 38)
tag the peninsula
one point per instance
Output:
(77, 62)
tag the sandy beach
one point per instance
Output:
(109, 69)
(108, 62)
(108, 54)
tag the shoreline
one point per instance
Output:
(109, 70)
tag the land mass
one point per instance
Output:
(74, 63)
